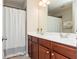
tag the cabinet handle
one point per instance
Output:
(52, 54)
(47, 52)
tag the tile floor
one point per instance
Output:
(19, 57)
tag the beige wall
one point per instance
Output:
(66, 16)
(36, 16)
(43, 18)
(32, 15)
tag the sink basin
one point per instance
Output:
(69, 40)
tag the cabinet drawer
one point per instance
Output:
(64, 50)
(34, 39)
(45, 43)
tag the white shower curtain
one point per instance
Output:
(14, 30)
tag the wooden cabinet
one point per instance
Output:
(34, 50)
(52, 55)
(44, 53)
(33, 47)
(58, 56)
(45, 49)
(35, 39)
(64, 50)
(29, 46)
(45, 43)
(55, 55)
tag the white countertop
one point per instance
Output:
(71, 41)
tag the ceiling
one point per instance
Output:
(57, 3)
(21, 4)
(59, 8)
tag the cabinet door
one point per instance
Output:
(34, 50)
(52, 55)
(44, 53)
(59, 56)
(29, 47)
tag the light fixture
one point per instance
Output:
(48, 2)
(40, 3)
(44, 3)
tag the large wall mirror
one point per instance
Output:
(60, 16)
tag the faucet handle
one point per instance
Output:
(37, 29)
(41, 29)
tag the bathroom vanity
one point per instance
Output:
(61, 42)
(44, 47)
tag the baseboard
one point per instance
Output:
(17, 54)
